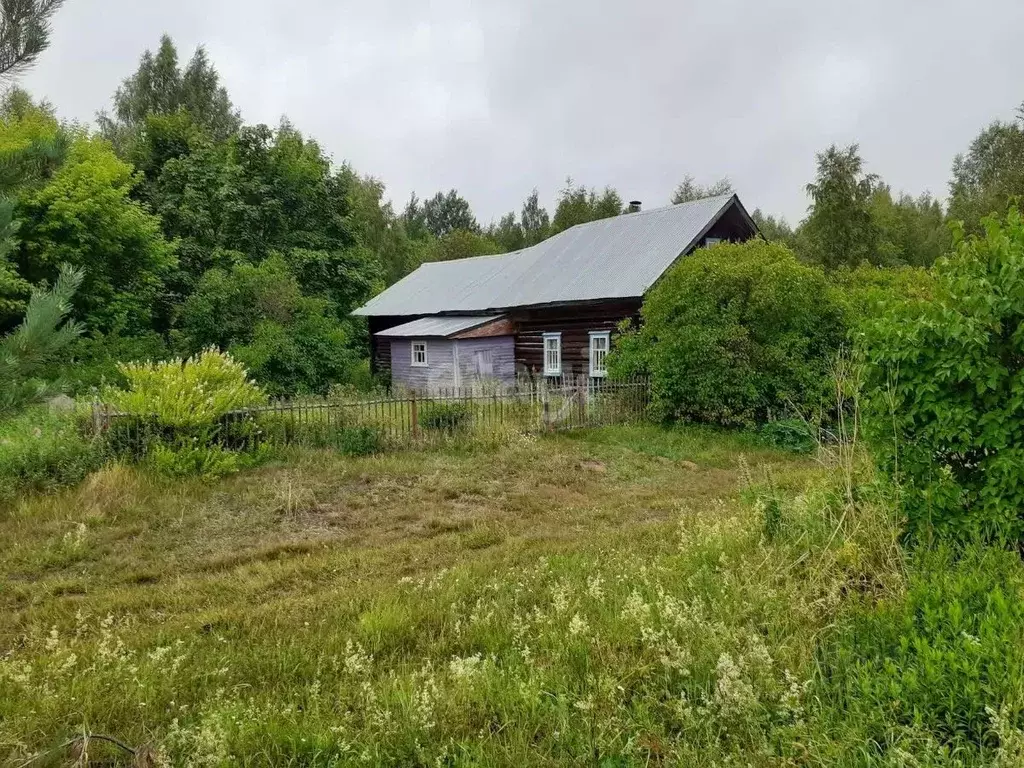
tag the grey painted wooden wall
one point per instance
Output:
(479, 361)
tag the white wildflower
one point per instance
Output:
(357, 660)
(465, 668)
(578, 626)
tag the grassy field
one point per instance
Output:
(626, 596)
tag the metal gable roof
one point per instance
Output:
(438, 326)
(618, 257)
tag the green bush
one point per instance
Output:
(359, 441)
(794, 435)
(735, 335)
(445, 416)
(185, 416)
(942, 659)
(945, 390)
(42, 450)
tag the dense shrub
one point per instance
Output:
(945, 387)
(185, 416)
(358, 441)
(445, 417)
(42, 450)
(735, 334)
(793, 435)
(944, 659)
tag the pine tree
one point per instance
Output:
(42, 335)
(24, 32)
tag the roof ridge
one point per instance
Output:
(650, 210)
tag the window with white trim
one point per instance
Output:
(709, 241)
(600, 343)
(419, 353)
(552, 354)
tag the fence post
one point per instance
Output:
(415, 418)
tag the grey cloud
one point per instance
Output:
(498, 97)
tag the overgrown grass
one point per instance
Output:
(619, 597)
(43, 450)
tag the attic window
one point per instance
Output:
(419, 354)
(552, 354)
(709, 241)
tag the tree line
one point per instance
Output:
(190, 228)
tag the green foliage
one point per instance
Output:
(445, 416)
(735, 334)
(160, 87)
(84, 217)
(290, 343)
(91, 361)
(24, 33)
(358, 441)
(578, 205)
(445, 213)
(689, 190)
(944, 659)
(839, 228)
(910, 231)
(793, 435)
(185, 417)
(458, 244)
(195, 392)
(866, 291)
(28, 350)
(945, 389)
(41, 450)
(988, 177)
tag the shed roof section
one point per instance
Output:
(619, 257)
(437, 327)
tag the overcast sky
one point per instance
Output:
(495, 98)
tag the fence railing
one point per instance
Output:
(395, 420)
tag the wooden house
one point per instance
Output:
(550, 310)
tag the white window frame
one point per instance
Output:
(412, 349)
(548, 369)
(606, 336)
(709, 241)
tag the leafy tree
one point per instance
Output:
(44, 333)
(290, 342)
(24, 33)
(460, 244)
(508, 233)
(909, 230)
(85, 217)
(376, 227)
(160, 87)
(945, 393)
(414, 218)
(775, 230)
(445, 213)
(990, 175)
(839, 228)
(689, 190)
(32, 146)
(736, 334)
(536, 223)
(578, 205)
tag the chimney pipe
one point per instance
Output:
(635, 206)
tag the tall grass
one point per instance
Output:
(774, 620)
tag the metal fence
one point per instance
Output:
(362, 424)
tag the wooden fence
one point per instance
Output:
(396, 420)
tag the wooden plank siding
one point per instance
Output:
(575, 324)
(442, 354)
